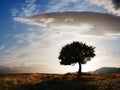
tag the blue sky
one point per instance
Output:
(25, 45)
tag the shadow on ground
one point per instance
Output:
(63, 83)
(68, 81)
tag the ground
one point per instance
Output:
(68, 81)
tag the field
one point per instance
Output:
(68, 81)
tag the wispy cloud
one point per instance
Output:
(61, 5)
(28, 8)
(72, 5)
(2, 47)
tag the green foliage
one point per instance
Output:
(76, 52)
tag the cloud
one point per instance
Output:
(37, 50)
(56, 29)
(29, 7)
(2, 47)
(31, 29)
(112, 6)
(71, 5)
(33, 68)
(116, 4)
(14, 12)
(59, 5)
(89, 23)
(20, 41)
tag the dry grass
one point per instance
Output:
(69, 81)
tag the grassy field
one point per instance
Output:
(69, 81)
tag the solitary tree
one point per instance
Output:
(76, 52)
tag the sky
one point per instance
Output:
(32, 33)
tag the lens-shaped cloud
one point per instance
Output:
(90, 23)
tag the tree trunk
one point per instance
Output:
(80, 68)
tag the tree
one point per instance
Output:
(76, 52)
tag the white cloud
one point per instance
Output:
(20, 41)
(90, 23)
(31, 29)
(56, 5)
(14, 12)
(44, 47)
(72, 5)
(2, 47)
(107, 4)
(28, 8)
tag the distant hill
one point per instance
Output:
(107, 70)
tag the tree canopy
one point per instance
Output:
(76, 52)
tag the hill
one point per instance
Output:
(69, 81)
(108, 70)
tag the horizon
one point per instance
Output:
(32, 33)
